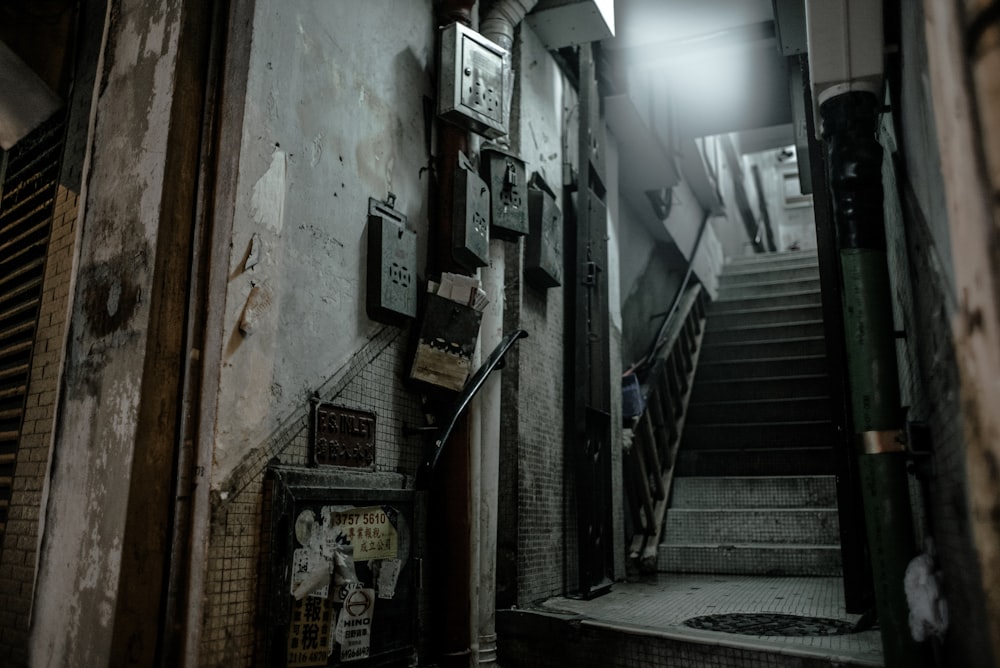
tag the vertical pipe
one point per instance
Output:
(491, 334)
(854, 161)
(451, 497)
(856, 566)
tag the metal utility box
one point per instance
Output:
(508, 193)
(471, 81)
(543, 256)
(471, 217)
(392, 260)
(342, 580)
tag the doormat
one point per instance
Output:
(770, 624)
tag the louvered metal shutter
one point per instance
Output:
(30, 176)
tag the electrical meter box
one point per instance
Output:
(508, 193)
(342, 578)
(471, 81)
(543, 257)
(392, 259)
(471, 217)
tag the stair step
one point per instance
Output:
(748, 350)
(750, 559)
(767, 274)
(760, 410)
(754, 333)
(763, 316)
(761, 368)
(801, 298)
(816, 491)
(772, 258)
(745, 435)
(742, 290)
(777, 387)
(811, 526)
(755, 462)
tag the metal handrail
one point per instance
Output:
(462, 401)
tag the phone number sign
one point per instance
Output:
(343, 437)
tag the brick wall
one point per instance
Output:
(238, 551)
(537, 518)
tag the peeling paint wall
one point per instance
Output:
(88, 490)
(334, 115)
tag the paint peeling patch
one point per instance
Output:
(104, 611)
(387, 576)
(267, 203)
(258, 305)
(155, 36)
(316, 150)
(253, 257)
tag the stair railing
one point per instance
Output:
(649, 459)
(665, 375)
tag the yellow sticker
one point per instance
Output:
(370, 531)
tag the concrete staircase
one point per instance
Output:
(754, 491)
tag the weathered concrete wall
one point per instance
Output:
(117, 240)
(924, 273)
(334, 115)
(964, 120)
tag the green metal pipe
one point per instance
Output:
(871, 344)
(854, 161)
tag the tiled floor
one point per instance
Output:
(663, 602)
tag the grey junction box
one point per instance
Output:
(471, 81)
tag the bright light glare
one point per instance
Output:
(713, 77)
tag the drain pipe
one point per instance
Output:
(451, 497)
(498, 26)
(503, 17)
(854, 166)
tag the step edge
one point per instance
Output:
(823, 547)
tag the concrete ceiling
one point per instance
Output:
(717, 61)
(657, 21)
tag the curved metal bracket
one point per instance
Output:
(462, 401)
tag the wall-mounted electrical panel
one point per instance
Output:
(471, 81)
(392, 261)
(543, 249)
(471, 217)
(508, 193)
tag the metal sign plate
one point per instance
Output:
(343, 437)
